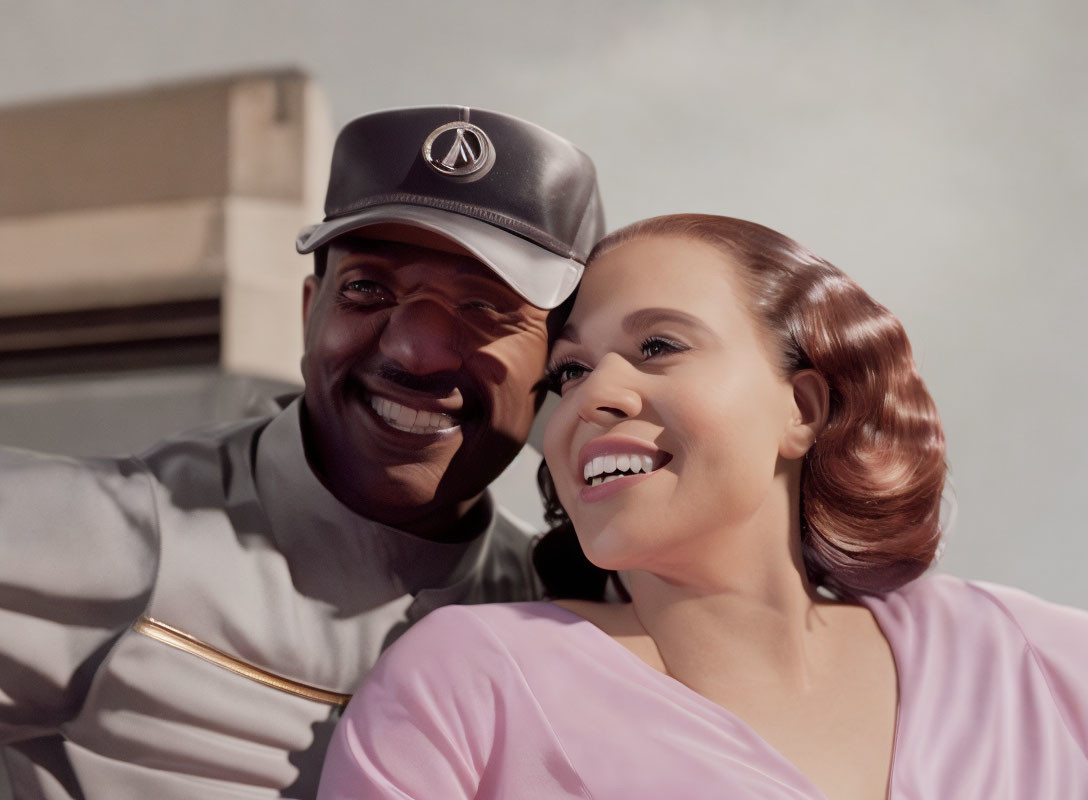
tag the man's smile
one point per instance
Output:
(412, 420)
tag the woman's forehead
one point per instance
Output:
(658, 271)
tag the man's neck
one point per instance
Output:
(462, 523)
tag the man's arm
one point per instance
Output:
(78, 554)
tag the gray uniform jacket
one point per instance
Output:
(188, 624)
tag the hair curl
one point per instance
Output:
(871, 484)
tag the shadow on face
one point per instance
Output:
(420, 367)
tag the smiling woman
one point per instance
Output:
(872, 482)
(743, 439)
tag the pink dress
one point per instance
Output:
(524, 701)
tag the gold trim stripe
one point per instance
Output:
(169, 635)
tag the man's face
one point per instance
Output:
(420, 368)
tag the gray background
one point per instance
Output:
(934, 150)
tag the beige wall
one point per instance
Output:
(171, 193)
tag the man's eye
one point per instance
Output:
(479, 305)
(367, 291)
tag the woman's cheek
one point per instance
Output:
(556, 445)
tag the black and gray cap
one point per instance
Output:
(516, 196)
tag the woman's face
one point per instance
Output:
(667, 382)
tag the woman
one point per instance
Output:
(743, 437)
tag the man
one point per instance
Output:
(188, 623)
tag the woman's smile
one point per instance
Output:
(613, 463)
(672, 404)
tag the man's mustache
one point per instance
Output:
(439, 384)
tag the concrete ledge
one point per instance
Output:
(111, 257)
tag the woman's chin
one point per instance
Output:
(610, 549)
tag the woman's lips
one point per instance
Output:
(602, 491)
(610, 464)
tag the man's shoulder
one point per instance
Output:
(47, 483)
(100, 511)
(97, 501)
(511, 529)
(505, 569)
(206, 440)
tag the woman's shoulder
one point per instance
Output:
(956, 601)
(494, 617)
(476, 634)
(965, 629)
(941, 619)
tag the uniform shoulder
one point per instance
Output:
(506, 572)
(80, 538)
(99, 506)
(28, 467)
(203, 444)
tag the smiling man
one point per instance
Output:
(189, 623)
(419, 364)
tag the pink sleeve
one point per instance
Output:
(1058, 638)
(423, 723)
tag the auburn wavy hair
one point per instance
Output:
(872, 482)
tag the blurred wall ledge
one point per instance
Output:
(148, 278)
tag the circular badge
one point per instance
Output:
(460, 151)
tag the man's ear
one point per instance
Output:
(809, 410)
(310, 287)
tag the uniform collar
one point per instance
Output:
(323, 539)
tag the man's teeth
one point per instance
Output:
(411, 420)
(603, 469)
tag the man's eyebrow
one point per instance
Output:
(647, 317)
(360, 257)
(489, 284)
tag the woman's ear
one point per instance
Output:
(808, 413)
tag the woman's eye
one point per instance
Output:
(368, 291)
(562, 374)
(657, 345)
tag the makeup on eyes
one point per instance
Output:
(652, 347)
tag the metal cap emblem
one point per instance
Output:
(460, 151)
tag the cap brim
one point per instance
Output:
(542, 277)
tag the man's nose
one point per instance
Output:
(608, 394)
(423, 337)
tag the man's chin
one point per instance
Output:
(385, 492)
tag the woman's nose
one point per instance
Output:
(607, 395)
(423, 337)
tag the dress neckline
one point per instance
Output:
(685, 693)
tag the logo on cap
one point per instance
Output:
(460, 151)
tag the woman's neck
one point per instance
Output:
(751, 627)
(741, 603)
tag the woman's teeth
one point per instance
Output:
(603, 469)
(411, 420)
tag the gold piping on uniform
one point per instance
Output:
(166, 634)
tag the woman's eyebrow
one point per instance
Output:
(647, 317)
(569, 334)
